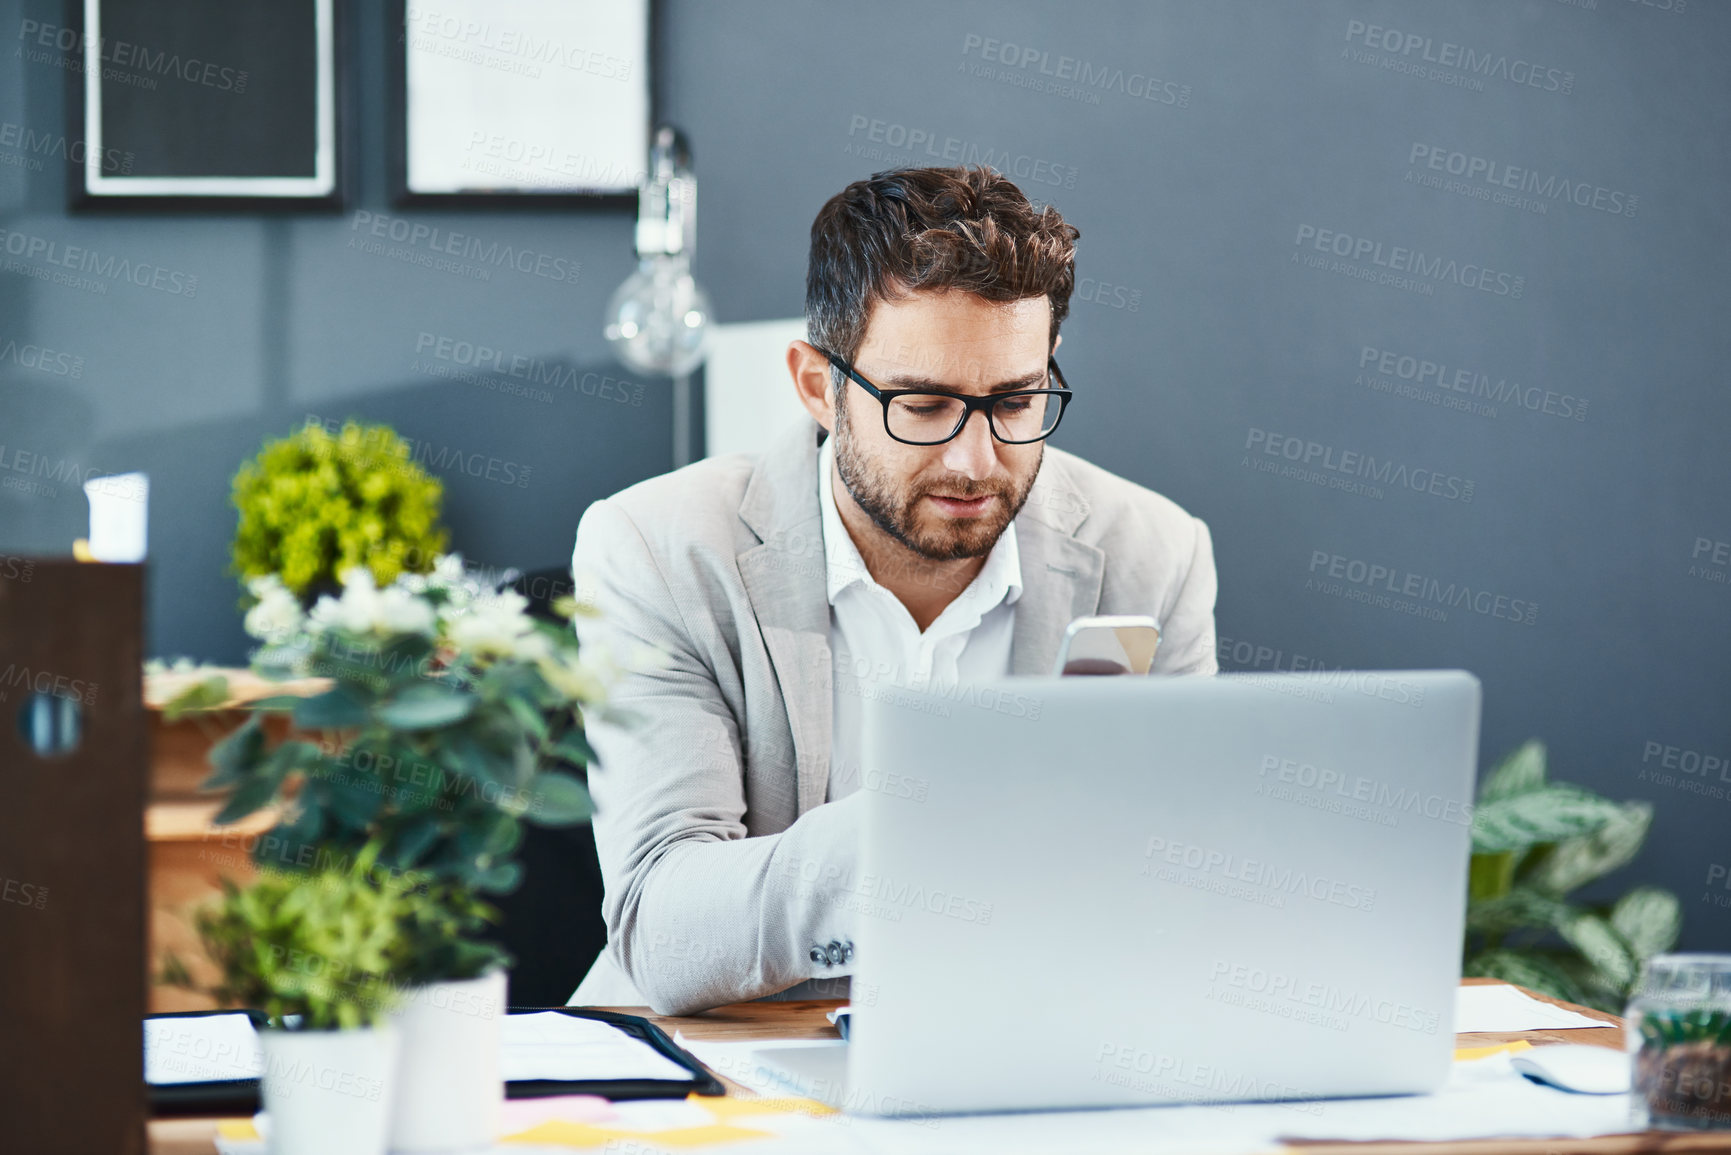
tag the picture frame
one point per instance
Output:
(536, 103)
(204, 105)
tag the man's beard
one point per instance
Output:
(929, 534)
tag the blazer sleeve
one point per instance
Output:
(698, 914)
(1187, 643)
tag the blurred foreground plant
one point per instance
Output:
(452, 717)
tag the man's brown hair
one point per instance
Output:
(911, 229)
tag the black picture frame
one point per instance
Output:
(169, 79)
(531, 197)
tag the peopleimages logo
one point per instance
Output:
(86, 260)
(527, 46)
(1252, 983)
(488, 359)
(1083, 74)
(1357, 788)
(1416, 47)
(1678, 766)
(31, 144)
(16, 677)
(125, 55)
(1371, 581)
(42, 359)
(898, 139)
(1201, 860)
(1423, 373)
(1497, 176)
(439, 243)
(1400, 259)
(1353, 464)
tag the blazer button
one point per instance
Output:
(835, 954)
(847, 951)
(820, 956)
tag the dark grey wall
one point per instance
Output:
(1572, 508)
(1549, 520)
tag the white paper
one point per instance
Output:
(545, 1045)
(1483, 1099)
(741, 1062)
(550, 1045)
(201, 1049)
(1503, 1008)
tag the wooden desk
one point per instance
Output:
(805, 1020)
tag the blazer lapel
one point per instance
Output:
(1061, 576)
(786, 579)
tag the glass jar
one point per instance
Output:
(1678, 1033)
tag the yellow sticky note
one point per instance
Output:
(700, 1136)
(1466, 1054)
(237, 1129)
(737, 1106)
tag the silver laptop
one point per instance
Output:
(1090, 892)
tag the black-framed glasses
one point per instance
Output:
(934, 416)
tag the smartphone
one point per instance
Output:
(1115, 644)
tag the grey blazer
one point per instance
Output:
(723, 866)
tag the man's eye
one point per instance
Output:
(928, 409)
(1016, 405)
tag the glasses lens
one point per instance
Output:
(1028, 417)
(924, 418)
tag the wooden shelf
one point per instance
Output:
(189, 854)
(185, 821)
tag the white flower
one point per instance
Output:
(493, 625)
(572, 676)
(399, 611)
(448, 568)
(277, 615)
(364, 608)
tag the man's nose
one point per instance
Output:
(971, 452)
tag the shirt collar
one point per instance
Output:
(999, 580)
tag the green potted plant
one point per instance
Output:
(452, 717)
(317, 503)
(319, 953)
(1534, 842)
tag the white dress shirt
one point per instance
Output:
(876, 646)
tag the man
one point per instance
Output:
(923, 540)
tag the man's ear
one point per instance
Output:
(811, 382)
(1056, 343)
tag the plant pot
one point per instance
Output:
(449, 1087)
(328, 1092)
(1685, 1086)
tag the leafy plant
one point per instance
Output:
(1665, 1028)
(452, 717)
(325, 946)
(313, 505)
(1534, 842)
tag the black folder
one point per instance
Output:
(241, 1096)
